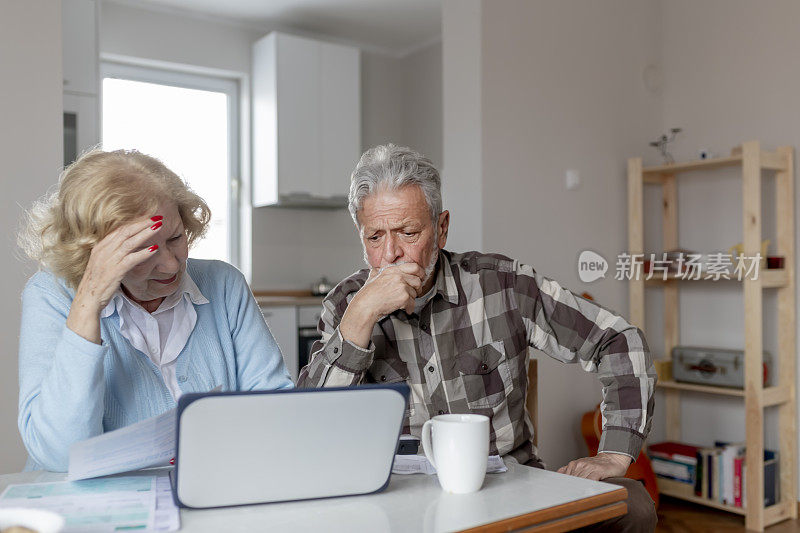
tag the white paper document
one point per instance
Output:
(138, 503)
(419, 464)
(96, 505)
(168, 516)
(146, 444)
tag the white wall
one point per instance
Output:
(31, 151)
(562, 88)
(461, 122)
(165, 36)
(730, 75)
(382, 102)
(422, 101)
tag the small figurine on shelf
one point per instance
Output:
(662, 143)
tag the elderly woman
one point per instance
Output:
(119, 322)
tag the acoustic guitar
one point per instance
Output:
(641, 469)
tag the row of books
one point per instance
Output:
(717, 473)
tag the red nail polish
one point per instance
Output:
(153, 248)
(156, 226)
(156, 218)
(172, 461)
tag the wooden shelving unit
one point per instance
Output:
(752, 161)
(770, 279)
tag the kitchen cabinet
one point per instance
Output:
(80, 125)
(282, 322)
(308, 316)
(81, 79)
(294, 327)
(79, 38)
(306, 121)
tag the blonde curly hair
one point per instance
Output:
(95, 195)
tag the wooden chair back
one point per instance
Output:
(532, 398)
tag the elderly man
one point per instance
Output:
(458, 327)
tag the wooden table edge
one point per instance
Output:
(604, 503)
(585, 518)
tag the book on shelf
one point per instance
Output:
(674, 451)
(676, 470)
(707, 468)
(728, 454)
(721, 474)
(717, 473)
(698, 476)
(674, 460)
(771, 479)
(735, 458)
(738, 471)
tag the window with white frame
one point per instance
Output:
(190, 123)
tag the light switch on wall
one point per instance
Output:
(573, 179)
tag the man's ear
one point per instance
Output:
(442, 227)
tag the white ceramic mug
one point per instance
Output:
(458, 447)
(39, 520)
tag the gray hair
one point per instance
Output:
(390, 167)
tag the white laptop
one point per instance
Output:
(239, 448)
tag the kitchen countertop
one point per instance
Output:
(286, 297)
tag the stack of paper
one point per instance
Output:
(419, 464)
(141, 503)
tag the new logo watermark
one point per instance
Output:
(670, 265)
(591, 266)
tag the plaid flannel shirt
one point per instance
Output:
(468, 351)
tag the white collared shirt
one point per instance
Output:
(163, 333)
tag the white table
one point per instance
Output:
(521, 497)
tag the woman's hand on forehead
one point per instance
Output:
(116, 254)
(110, 260)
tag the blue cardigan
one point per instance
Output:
(72, 389)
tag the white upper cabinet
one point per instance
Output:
(340, 116)
(306, 120)
(81, 79)
(79, 36)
